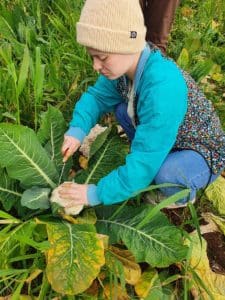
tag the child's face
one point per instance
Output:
(113, 66)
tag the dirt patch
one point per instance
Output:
(216, 251)
(223, 174)
(215, 240)
(178, 216)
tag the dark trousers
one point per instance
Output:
(159, 15)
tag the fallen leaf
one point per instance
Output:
(220, 222)
(215, 193)
(149, 285)
(131, 269)
(115, 293)
(215, 283)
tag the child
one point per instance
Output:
(175, 134)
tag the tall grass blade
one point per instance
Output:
(44, 288)
(172, 199)
(38, 83)
(201, 284)
(195, 220)
(6, 30)
(16, 293)
(23, 74)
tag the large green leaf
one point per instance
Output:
(108, 157)
(24, 158)
(74, 259)
(51, 133)
(9, 192)
(201, 69)
(158, 242)
(99, 141)
(36, 198)
(183, 59)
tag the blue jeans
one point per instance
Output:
(187, 168)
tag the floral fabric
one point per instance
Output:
(200, 131)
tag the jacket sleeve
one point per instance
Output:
(97, 100)
(161, 109)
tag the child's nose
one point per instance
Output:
(97, 65)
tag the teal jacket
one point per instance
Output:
(161, 107)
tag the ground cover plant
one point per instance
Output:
(128, 251)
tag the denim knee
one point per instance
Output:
(187, 168)
(121, 112)
(124, 120)
(170, 174)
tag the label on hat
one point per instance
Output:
(133, 34)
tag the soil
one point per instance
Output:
(215, 240)
(216, 251)
(177, 217)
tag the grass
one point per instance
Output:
(40, 59)
(197, 43)
(41, 62)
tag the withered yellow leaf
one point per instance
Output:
(132, 270)
(105, 239)
(115, 293)
(83, 162)
(214, 282)
(215, 193)
(149, 285)
(74, 259)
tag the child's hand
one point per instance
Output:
(73, 194)
(69, 147)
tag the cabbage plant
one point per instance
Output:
(71, 253)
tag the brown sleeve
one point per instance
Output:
(159, 15)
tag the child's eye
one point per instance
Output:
(103, 58)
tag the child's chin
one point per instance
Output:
(112, 77)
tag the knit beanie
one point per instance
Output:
(114, 26)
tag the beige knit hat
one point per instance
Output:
(114, 26)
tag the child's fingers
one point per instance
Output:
(67, 154)
(70, 145)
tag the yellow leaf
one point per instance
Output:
(83, 161)
(68, 218)
(217, 77)
(148, 282)
(183, 59)
(215, 283)
(215, 193)
(132, 270)
(214, 24)
(220, 222)
(105, 239)
(74, 259)
(33, 275)
(186, 11)
(115, 293)
(73, 86)
(87, 216)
